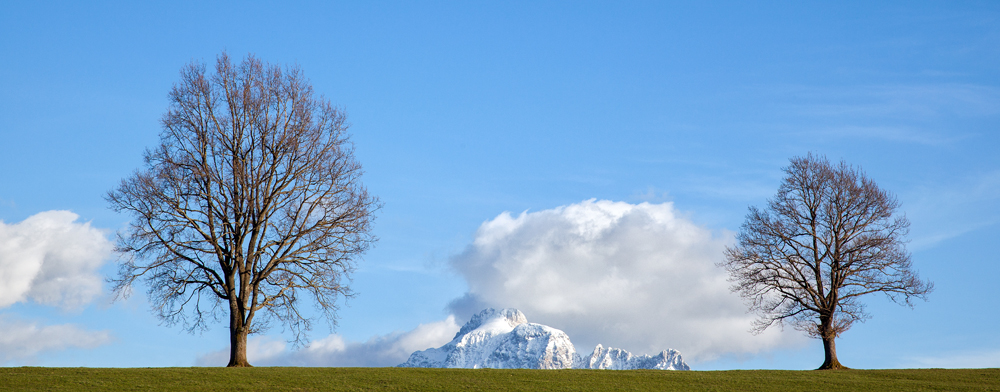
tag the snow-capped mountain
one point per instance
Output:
(504, 339)
(618, 359)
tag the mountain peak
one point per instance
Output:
(506, 316)
(618, 359)
(504, 339)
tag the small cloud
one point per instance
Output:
(51, 259)
(23, 340)
(651, 195)
(384, 350)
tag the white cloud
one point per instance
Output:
(22, 340)
(386, 350)
(635, 276)
(51, 260)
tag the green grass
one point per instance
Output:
(400, 379)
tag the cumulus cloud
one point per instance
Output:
(51, 259)
(385, 350)
(23, 340)
(635, 276)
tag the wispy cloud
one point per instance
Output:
(22, 340)
(730, 188)
(895, 101)
(652, 195)
(956, 360)
(950, 210)
(913, 114)
(890, 134)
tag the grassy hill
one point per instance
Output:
(400, 379)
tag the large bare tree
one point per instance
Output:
(829, 237)
(252, 199)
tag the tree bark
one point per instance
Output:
(828, 335)
(830, 361)
(237, 343)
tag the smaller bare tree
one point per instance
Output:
(252, 199)
(829, 237)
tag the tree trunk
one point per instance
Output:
(830, 361)
(828, 334)
(237, 342)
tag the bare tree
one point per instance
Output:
(252, 199)
(829, 237)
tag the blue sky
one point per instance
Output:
(546, 111)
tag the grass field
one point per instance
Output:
(400, 379)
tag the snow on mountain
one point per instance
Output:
(504, 339)
(618, 359)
